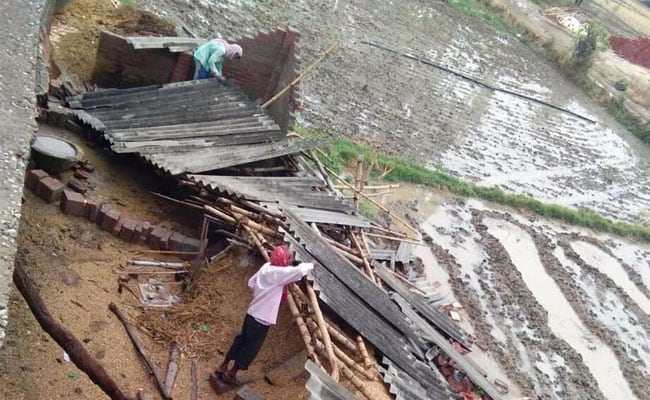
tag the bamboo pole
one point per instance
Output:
(381, 207)
(349, 362)
(367, 195)
(358, 182)
(299, 78)
(366, 264)
(388, 231)
(336, 335)
(321, 169)
(336, 244)
(363, 352)
(337, 247)
(232, 220)
(371, 187)
(173, 200)
(311, 294)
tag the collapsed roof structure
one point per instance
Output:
(237, 163)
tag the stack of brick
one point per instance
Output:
(108, 219)
(43, 185)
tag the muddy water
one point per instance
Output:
(562, 320)
(611, 267)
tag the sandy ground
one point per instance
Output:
(75, 265)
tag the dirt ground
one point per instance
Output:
(76, 265)
(75, 32)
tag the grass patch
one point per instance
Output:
(343, 153)
(476, 9)
(132, 3)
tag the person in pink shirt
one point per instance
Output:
(269, 286)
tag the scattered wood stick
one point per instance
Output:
(366, 264)
(349, 362)
(299, 78)
(180, 202)
(367, 195)
(356, 382)
(336, 335)
(129, 272)
(321, 169)
(311, 294)
(358, 182)
(194, 391)
(64, 338)
(172, 367)
(371, 187)
(136, 342)
(381, 207)
(397, 239)
(363, 352)
(388, 231)
(167, 252)
(161, 264)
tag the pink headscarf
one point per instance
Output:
(232, 50)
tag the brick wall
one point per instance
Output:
(117, 64)
(270, 63)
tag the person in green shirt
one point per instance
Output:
(209, 58)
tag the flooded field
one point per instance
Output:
(564, 311)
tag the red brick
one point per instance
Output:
(88, 167)
(142, 233)
(72, 203)
(77, 186)
(109, 219)
(81, 174)
(176, 241)
(159, 238)
(92, 210)
(33, 176)
(117, 227)
(128, 229)
(49, 189)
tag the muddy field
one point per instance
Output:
(566, 312)
(409, 108)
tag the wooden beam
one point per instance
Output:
(172, 367)
(143, 353)
(64, 338)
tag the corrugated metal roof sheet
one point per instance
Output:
(330, 217)
(438, 319)
(368, 309)
(322, 387)
(193, 126)
(287, 191)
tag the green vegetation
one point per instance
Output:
(589, 43)
(477, 9)
(132, 3)
(343, 152)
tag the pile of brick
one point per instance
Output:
(108, 219)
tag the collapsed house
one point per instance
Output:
(258, 185)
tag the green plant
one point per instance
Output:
(622, 85)
(590, 41)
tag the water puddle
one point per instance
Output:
(609, 266)
(562, 320)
